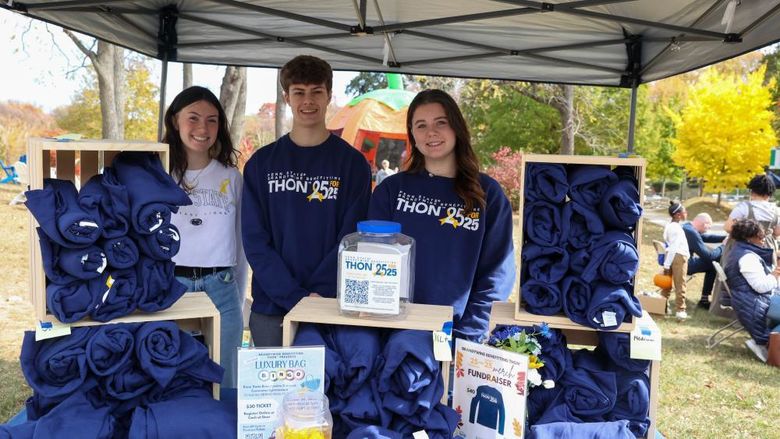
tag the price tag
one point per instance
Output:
(608, 317)
(420, 434)
(646, 339)
(45, 330)
(441, 346)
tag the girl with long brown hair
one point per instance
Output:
(460, 218)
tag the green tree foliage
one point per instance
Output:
(82, 115)
(772, 61)
(501, 116)
(724, 133)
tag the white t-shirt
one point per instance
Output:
(676, 244)
(751, 267)
(210, 228)
(762, 210)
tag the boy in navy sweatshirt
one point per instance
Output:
(302, 194)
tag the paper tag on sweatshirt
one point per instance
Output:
(608, 317)
(441, 346)
(420, 434)
(45, 330)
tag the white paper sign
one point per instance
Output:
(370, 282)
(265, 376)
(646, 339)
(489, 391)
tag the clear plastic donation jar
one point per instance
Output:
(305, 415)
(376, 271)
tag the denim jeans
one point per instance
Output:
(222, 289)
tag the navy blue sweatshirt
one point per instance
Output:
(297, 205)
(464, 262)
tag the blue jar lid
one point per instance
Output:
(376, 226)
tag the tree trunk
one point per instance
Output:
(109, 66)
(279, 109)
(663, 187)
(717, 203)
(232, 96)
(186, 76)
(567, 117)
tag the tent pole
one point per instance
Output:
(632, 120)
(161, 111)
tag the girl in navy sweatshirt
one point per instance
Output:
(461, 219)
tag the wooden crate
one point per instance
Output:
(193, 312)
(503, 313)
(76, 161)
(638, 164)
(326, 311)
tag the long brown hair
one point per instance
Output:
(222, 150)
(467, 185)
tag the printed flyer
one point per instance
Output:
(489, 391)
(265, 375)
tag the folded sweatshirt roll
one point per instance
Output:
(72, 302)
(358, 348)
(106, 195)
(121, 252)
(588, 183)
(588, 393)
(576, 295)
(153, 194)
(611, 305)
(546, 181)
(542, 223)
(158, 286)
(110, 347)
(614, 259)
(617, 347)
(120, 296)
(545, 264)
(161, 245)
(187, 417)
(581, 225)
(62, 218)
(619, 207)
(542, 298)
(79, 419)
(633, 396)
(57, 366)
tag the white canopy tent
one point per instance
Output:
(593, 42)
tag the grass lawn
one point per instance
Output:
(722, 393)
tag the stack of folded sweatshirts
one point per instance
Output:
(107, 250)
(136, 380)
(380, 378)
(599, 393)
(579, 256)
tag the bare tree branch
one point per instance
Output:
(84, 49)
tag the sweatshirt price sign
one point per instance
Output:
(489, 391)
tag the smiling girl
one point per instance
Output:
(460, 218)
(211, 257)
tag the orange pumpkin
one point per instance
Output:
(663, 281)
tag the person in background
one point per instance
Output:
(676, 259)
(460, 218)
(384, 172)
(759, 207)
(211, 255)
(702, 255)
(302, 194)
(752, 279)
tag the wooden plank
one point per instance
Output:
(89, 164)
(655, 382)
(66, 165)
(505, 313)
(585, 160)
(325, 311)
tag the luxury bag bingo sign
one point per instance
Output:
(489, 391)
(265, 375)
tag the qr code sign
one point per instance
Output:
(356, 292)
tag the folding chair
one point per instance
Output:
(714, 339)
(23, 178)
(10, 173)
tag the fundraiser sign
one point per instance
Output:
(265, 376)
(489, 391)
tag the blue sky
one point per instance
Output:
(37, 59)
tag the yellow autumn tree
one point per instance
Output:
(724, 132)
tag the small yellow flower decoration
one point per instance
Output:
(534, 362)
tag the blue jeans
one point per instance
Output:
(222, 289)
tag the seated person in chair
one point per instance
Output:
(751, 280)
(701, 254)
